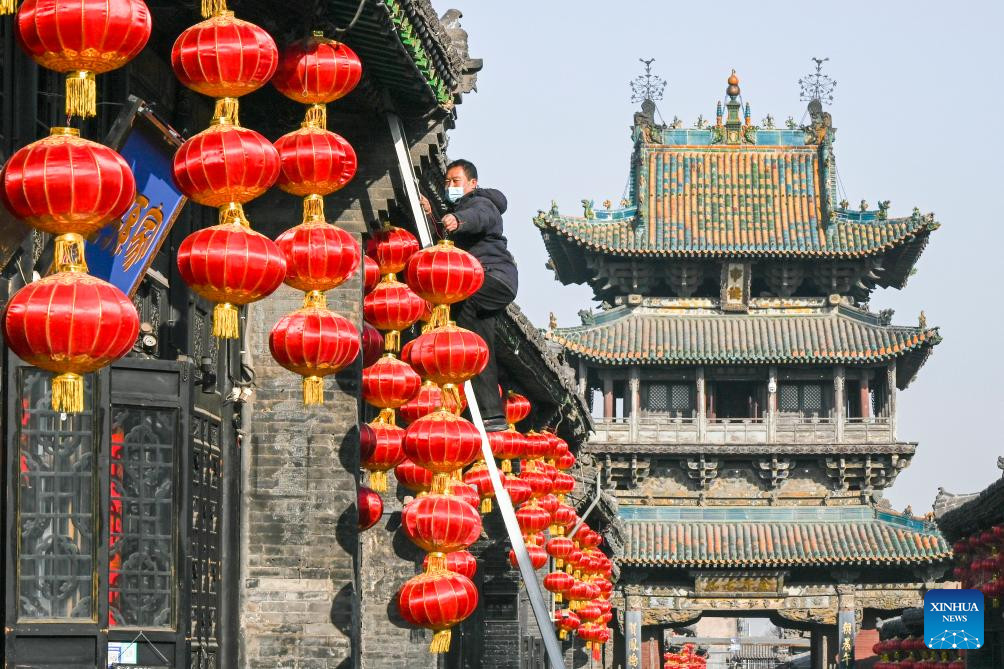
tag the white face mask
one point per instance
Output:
(454, 193)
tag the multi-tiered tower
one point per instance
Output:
(745, 393)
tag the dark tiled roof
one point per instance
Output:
(870, 537)
(983, 511)
(652, 336)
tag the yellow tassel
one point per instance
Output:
(227, 111)
(68, 253)
(378, 481)
(486, 505)
(233, 213)
(313, 390)
(316, 117)
(392, 341)
(507, 466)
(213, 8)
(558, 564)
(450, 392)
(8, 7)
(313, 208)
(225, 319)
(440, 316)
(68, 393)
(387, 416)
(436, 562)
(557, 598)
(81, 94)
(315, 299)
(441, 484)
(563, 634)
(440, 642)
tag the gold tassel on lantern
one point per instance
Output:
(313, 208)
(8, 7)
(563, 634)
(68, 393)
(313, 390)
(316, 117)
(378, 481)
(436, 562)
(486, 505)
(225, 321)
(226, 111)
(440, 642)
(233, 213)
(212, 8)
(392, 341)
(81, 94)
(507, 466)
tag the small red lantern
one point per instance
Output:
(389, 383)
(391, 247)
(392, 307)
(224, 164)
(314, 161)
(380, 449)
(507, 445)
(414, 478)
(232, 265)
(589, 612)
(532, 519)
(537, 445)
(372, 344)
(565, 462)
(428, 399)
(81, 38)
(224, 57)
(538, 556)
(479, 478)
(559, 548)
(444, 274)
(64, 183)
(437, 600)
(539, 483)
(563, 484)
(369, 506)
(440, 524)
(518, 489)
(557, 583)
(465, 492)
(315, 71)
(371, 274)
(459, 562)
(517, 408)
(564, 515)
(442, 442)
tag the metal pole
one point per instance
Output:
(592, 505)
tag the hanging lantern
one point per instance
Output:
(379, 450)
(314, 161)
(537, 555)
(557, 583)
(437, 600)
(391, 247)
(369, 506)
(392, 307)
(537, 446)
(517, 408)
(388, 384)
(565, 516)
(459, 562)
(442, 442)
(479, 478)
(444, 274)
(314, 342)
(316, 71)
(589, 612)
(440, 524)
(507, 445)
(70, 323)
(559, 548)
(465, 492)
(428, 399)
(567, 622)
(532, 519)
(371, 274)
(539, 483)
(414, 478)
(224, 57)
(232, 265)
(518, 489)
(319, 256)
(372, 344)
(64, 183)
(82, 38)
(562, 484)
(565, 462)
(448, 356)
(225, 165)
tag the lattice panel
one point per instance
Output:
(787, 398)
(812, 398)
(680, 397)
(658, 397)
(206, 472)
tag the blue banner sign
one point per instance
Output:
(122, 251)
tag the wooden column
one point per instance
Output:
(839, 378)
(608, 395)
(865, 397)
(891, 389)
(702, 407)
(583, 380)
(771, 413)
(634, 393)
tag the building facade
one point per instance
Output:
(745, 395)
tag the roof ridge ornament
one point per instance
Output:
(738, 127)
(647, 87)
(817, 86)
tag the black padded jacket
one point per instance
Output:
(479, 214)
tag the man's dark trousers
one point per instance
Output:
(479, 313)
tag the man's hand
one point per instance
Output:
(450, 222)
(426, 205)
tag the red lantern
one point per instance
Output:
(414, 478)
(232, 265)
(369, 506)
(81, 38)
(392, 247)
(565, 516)
(389, 383)
(465, 492)
(538, 557)
(448, 355)
(518, 489)
(315, 71)
(537, 445)
(479, 478)
(517, 408)
(442, 442)
(437, 600)
(392, 307)
(557, 583)
(559, 548)
(314, 342)
(563, 484)
(225, 164)
(314, 161)
(440, 524)
(372, 344)
(567, 622)
(224, 57)
(70, 323)
(507, 445)
(371, 274)
(459, 562)
(319, 256)
(548, 503)
(444, 274)
(64, 183)
(605, 587)
(589, 612)
(428, 399)
(379, 450)
(539, 484)
(565, 462)
(532, 519)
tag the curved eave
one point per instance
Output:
(813, 561)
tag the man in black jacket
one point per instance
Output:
(475, 225)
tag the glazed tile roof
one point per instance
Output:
(642, 335)
(711, 201)
(836, 537)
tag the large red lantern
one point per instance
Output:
(448, 355)
(232, 265)
(314, 161)
(225, 165)
(388, 384)
(369, 506)
(392, 247)
(557, 583)
(81, 38)
(507, 445)
(442, 442)
(319, 256)
(392, 307)
(379, 450)
(517, 408)
(414, 478)
(70, 323)
(532, 519)
(224, 57)
(559, 548)
(437, 600)
(315, 71)
(314, 342)
(440, 524)
(459, 562)
(444, 274)
(64, 183)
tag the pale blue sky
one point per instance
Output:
(919, 112)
